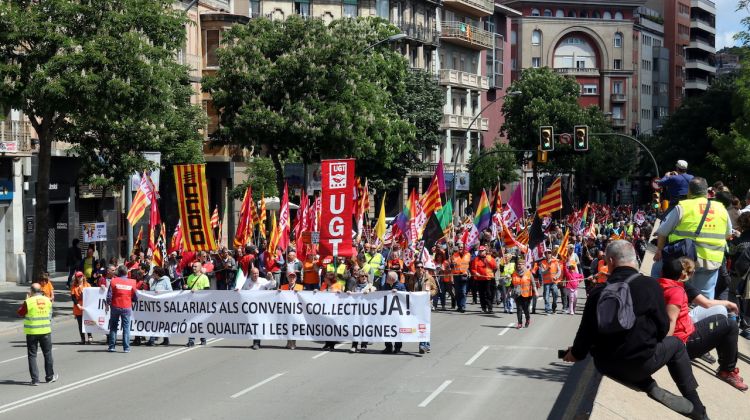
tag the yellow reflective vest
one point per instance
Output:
(38, 319)
(373, 263)
(712, 240)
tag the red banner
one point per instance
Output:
(337, 203)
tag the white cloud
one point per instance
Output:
(725, 39)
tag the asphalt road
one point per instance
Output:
(480, 367)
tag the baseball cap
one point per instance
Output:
(681, 164)
(291, 274)
(482, 248)
(79, 274)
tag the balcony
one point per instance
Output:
(698, 64)
(460, 122)
(466, 35)
(419, 33)
(704, 25)
(15, 137)
(697, 84)
(463, 79)
(706, 5)
(618, 122)
(573, 71)
(193, 62)
(473, 7)
(618, 97)
(701, 43)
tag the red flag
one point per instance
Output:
(154, 222)
(245, 222)
(215, 217)
(284, 227)
(337, 203)
(301, 225)
(176, 244)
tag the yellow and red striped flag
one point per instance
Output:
(552, 200)
(431, 200)
(562, 251)
(215, 217)
(275, 236)
(262, 217)
(141, 200)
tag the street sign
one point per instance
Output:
(565, 138)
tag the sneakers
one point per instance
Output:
(353, 350)
(732, 378)
(528, 322)
(518, 326)
(111, 349)
(54, 378)
(34, 383)
(673, 402)
(421, 350)
(708, 358)
(255, 346)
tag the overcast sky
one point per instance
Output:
(728, 22)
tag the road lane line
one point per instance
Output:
(435, 393)
(259, 384)
(21, 357)
(512, 347)
(323, 353)
(96, 378)
(476, 356)
(506, 329)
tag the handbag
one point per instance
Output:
(685, 247)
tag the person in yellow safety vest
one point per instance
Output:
(340, 269)
(509, 267)
(36, 311)
(374, 263)
(710, 238)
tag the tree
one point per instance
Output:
(301, 86)
(261, 177)
(548, 98)
(100, 75)
(495, 165)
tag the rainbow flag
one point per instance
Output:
(403, 218)
(482, 216)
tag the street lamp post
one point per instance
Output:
(390, 39)
(468, 134)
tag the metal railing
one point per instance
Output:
(419, 32)
(619, 97)
(618, 122)
(467, 33)
(575, 70)
(465, 79)
(193, 61)
(461, 122)
(16, 136)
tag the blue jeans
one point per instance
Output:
(116, 314)
(656, 269)
(460, 284)
(550, 288)
(705, 281)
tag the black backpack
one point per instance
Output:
(614, 310)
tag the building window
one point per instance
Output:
(617, 112)
(535, 12)
(302, 7)
(536, 37)
(547, 13)
(590, 90)
(618, 40)
(618, 15)
(596, 15)
(617, 87)
(255, 8)
(583, 14)
(350, 8)
(684, 9)
(607, 15)
(211, 45)
(646, 65)
(536, 62)
(512, 63)
(559, 13)
(572, 13)
(617, 64)
(657, 42)
(513, 37)
(382, 8)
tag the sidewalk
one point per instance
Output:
(13, 295)
(722, 401)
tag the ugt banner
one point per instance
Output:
(336, 213)
(192, 202)
(270, 315)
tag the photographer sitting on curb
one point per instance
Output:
(633, 355)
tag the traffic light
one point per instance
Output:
(541, 155)
(581, 138)
(546, 138)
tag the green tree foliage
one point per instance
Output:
(495, 165)
(547, 98)
(302, 86)
(261, 177)
(100, 75)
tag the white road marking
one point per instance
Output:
(96, 378)
(476, 356)
(504, 347)
(259, 384)
(506, 329)
(21, 357)
(435, 393)
(323, 353)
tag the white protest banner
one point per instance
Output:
(270, 315)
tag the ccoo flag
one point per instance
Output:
(192, 203)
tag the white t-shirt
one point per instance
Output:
(260, 284)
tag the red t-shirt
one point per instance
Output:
(674, 294)
(245, 262)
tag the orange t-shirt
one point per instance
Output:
(77, 294)
(48, 290)
(335, 287)
(310, 273)
(297, 287)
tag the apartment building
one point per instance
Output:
(651, 86)
(700, 60)
(591, 40)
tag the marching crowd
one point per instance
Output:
(701, 263)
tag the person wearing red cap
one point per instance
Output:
(76, 295)
(483, 272)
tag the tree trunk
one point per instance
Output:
(279, 173)
(41, 210)
(535, 188)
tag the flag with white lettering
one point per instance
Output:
(337, 202)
